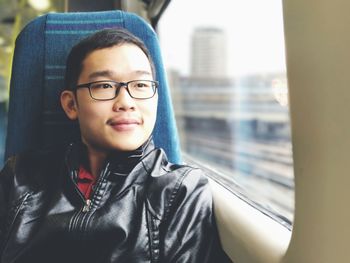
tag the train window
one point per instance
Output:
(226, 68)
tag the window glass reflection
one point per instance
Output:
(230, 94)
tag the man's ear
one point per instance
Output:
(69, 104)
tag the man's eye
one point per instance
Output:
(102, 86)
(106, 86)
(141, 85)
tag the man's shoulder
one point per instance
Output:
(174, 186)
(38, 157)
(164, 173)
(172, 176)
(30, 164)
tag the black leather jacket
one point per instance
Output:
(143, 209)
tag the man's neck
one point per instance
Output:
(96, 161)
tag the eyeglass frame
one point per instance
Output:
(121, 84)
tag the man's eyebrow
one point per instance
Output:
(103, 73)
(142, 72)
(112, 75)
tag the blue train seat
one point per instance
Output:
(35, 117)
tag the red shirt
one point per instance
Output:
(85, 182)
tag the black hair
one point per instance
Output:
(104, 38)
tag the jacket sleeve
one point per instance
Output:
(190, 230)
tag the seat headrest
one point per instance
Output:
(35, 117)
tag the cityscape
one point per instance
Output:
(239, 126)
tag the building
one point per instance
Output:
(209, 53)
(240, 125)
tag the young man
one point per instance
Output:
(113, 196)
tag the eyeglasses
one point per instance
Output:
(108, 89)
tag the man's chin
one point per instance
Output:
(126, 146)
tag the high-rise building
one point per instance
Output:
(209, 53)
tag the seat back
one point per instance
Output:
(35, 117)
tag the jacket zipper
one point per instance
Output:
(87, 206)
(87, 203)
(22, 201)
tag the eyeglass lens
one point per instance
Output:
(140, 89)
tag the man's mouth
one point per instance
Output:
(123, 124)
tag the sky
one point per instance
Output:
(254, 30)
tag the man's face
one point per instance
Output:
(123, 123)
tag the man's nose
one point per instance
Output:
(123, 101)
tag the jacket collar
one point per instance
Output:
(121, 163)
(118, 162)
